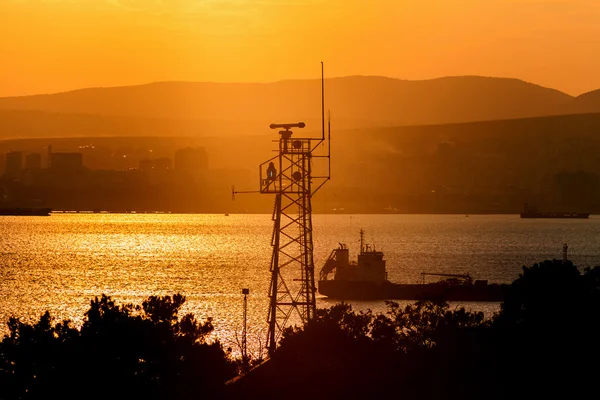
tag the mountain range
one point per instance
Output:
(204, 108)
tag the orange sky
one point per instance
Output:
(56, 45)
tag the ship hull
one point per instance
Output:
(555, 215)
(18, 211)
(362, 290)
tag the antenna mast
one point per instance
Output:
(322, 101)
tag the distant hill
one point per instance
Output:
(23, 124)
(588, 102)
(236, 108)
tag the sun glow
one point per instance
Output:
(57, 45)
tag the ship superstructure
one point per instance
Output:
(366, 279)
(369, 267)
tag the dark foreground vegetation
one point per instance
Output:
(120, 351)
(543, 343)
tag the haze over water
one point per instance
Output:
(59, 263)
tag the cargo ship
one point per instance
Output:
(366, 279)
(532, 212)
(25, 211)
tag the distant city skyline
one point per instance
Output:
(62, 45)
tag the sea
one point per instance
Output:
(61, 262)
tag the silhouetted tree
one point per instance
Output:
(542, 343)
(120, 351)
(342, 353)
(547, 329)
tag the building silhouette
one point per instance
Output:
(33, 161)
(14, 164)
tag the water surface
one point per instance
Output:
(59, 263)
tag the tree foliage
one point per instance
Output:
(120, 351)
(540, 344)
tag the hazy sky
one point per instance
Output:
(55, 45)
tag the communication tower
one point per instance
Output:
(289, 176)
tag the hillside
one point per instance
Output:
(492, 166)
(23, 124)
(356, 102)
(588, 102)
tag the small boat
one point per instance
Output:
(366, 279)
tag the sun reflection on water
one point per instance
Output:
(60, 263)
